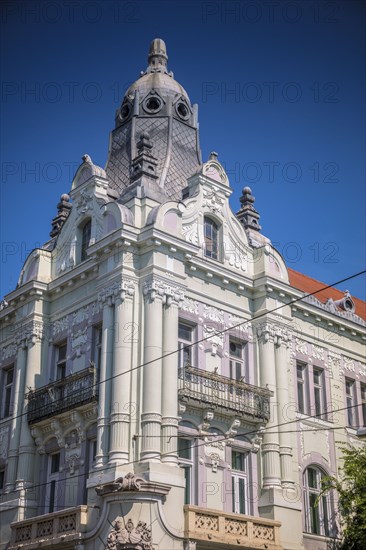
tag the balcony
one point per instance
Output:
(59, 528)
(63, 395)
(215, 528)
(210, 390)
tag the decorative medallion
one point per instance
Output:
(123, 536)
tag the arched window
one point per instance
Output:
(85, 239)
(211, 231)
(317, 508)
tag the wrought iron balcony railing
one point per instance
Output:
(62, 395)
(208, 389)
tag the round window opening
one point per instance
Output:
(153, 104)
(348, 305)
(232, 347)
(182, 110)
(125, 111)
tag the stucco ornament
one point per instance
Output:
(122, 537)
(129, 482)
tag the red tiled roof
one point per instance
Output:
(307, 284)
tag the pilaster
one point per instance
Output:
(19, 390)
(105, 379)
(169, 402)
(120, 413)
(33, 338)
(282, 360)
(151, 391)
(270, 445)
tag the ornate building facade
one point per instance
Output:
(166, 382)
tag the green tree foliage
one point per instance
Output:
(351, 489)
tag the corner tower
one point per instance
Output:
(158, 105)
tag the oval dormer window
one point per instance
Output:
(182, 110)
(125, 111)
(152, 105)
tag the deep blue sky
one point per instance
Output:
(280, 87)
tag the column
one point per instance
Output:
(169, 398)
(105, 384)
(25, 475)
(282, 360)
(151, 390)
(270, 445)
(120, 413)
(19, 388)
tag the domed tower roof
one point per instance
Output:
(158, 105)
(157, 76)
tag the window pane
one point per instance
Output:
(184, 448)
(210, 232)
(7, 402)
(318, 403)
(314, 515)
(55, 463)
(9, 376)
(312, 478)
(238, 461)
(187, 492)
(300, 397)
(241, 496)
(236, 350)
(325, 515)
(185, 332)
(52, 496)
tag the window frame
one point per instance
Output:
(53, 477)
(189, 466)
(351, 402)
(97, 337)
(182, 346)
(238, 360)
(7, 391)
(316, 524)
(60, 365)
(240, 483)
(85, 239)
(314, 395)
(363, 402)
(2, 479)
(211, 238)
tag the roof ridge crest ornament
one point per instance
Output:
(158, 58)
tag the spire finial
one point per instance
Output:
(247, 214)
(157, 58)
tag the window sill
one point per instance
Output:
(320, 538)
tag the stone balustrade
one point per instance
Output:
(58, 528)
(216, 527)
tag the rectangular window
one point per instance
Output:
(351, 402)
(185, 338)
(311, 390)
(61, 350)
(302, 388)
(52, 481)
(97, 346)
(8, 381)
(2, 479)
(239, 482)
(236, 358)
(319, 393)
(185, 454)
(363, 403)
